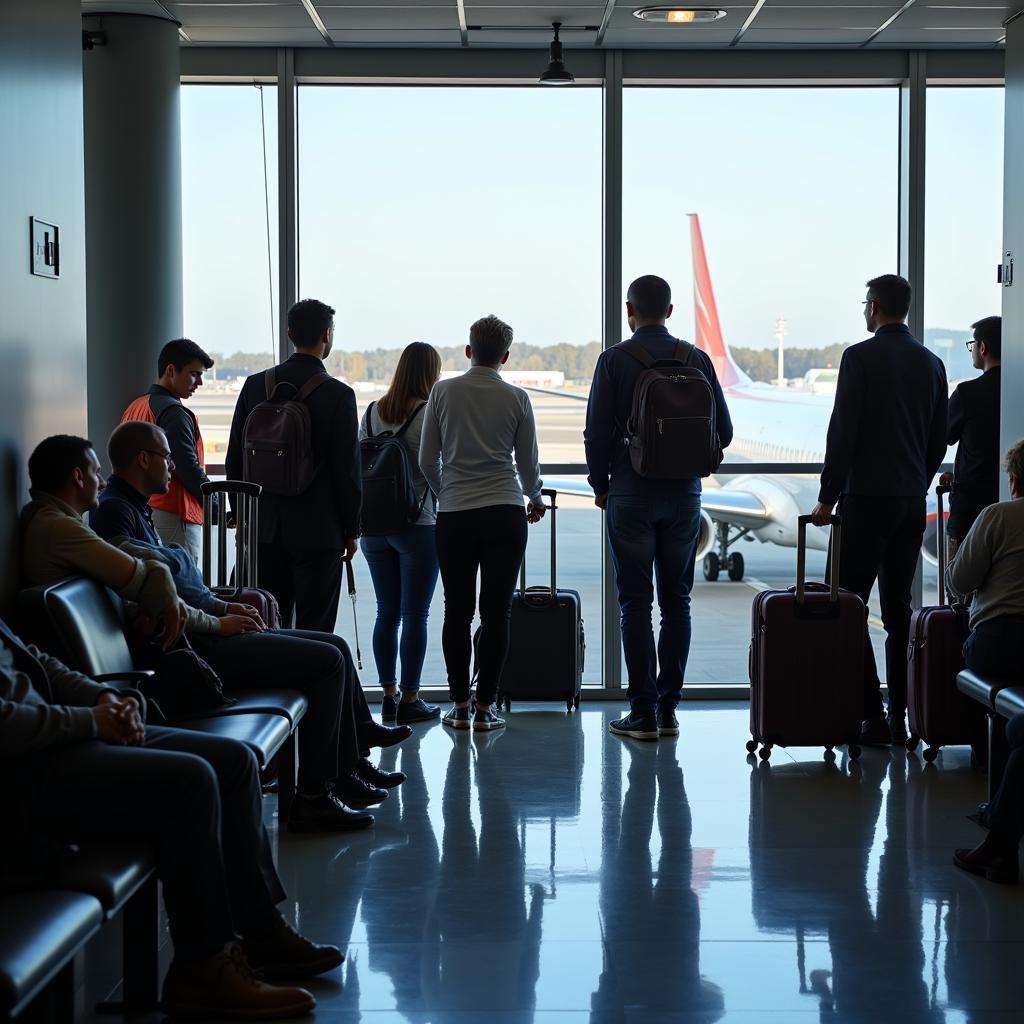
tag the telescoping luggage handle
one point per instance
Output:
(803, 522)
(546, 492)
(940, 540)
(247, 531)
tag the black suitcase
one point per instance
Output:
(545, 621)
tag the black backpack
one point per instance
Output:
(278, 438)
(390, 501)
(672, 432)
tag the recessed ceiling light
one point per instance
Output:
(679, 15)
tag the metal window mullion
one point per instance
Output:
(288, 205)
(913, 106)
(611, 293)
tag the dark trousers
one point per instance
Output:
(318, 665)
(881, 540)
(195, 798)
(1006, 811)
(654, 537)
(306, 583)
(993, 649)
(490, 541)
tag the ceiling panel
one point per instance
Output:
(278, 15)
(413, 37)
(236, 36)
(388, 19)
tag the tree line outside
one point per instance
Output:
(577, 361)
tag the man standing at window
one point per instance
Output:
(886, 441)
(178, 514)
(974, 426)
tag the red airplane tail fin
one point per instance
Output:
(709, 331)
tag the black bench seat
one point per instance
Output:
(1010, 701)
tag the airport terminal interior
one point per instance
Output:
(193, 168)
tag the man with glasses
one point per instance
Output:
(974, 427)
(886, 441)
(178, 514)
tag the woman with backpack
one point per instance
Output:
(398, 525)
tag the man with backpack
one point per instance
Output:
(295, 432)
(656, 423)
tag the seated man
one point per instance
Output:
(990, 565)
(57, 543)
(80, 764)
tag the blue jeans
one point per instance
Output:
(403, 567)
(654, 538)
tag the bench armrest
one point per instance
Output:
(136, 677)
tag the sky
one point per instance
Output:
(421, 209)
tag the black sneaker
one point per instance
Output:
(357, 792)
(897, 728)
(417, 710)
(486, 720)
(388, 707)
(458, 718)
(668, 724)
(635, 727)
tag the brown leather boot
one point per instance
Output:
(225, 985)
(284, 953)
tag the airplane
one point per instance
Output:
(771, 424)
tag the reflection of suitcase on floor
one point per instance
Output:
(545, 658)
(807, 661)
(939, 714)
(240, 586)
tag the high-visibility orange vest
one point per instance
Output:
(177, 500)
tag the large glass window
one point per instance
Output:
(422, 209)
(229, 206)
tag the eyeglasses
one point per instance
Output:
(166, 456)
(970, 344)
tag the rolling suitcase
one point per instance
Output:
(546, 620)
(238, 587)
(807, 661)
(938, 713)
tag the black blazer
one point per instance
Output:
(328, 512)
(887, 435)
(974, 425)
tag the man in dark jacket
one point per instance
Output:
(79, 763)
(974, 427)
(653, 525)
(305, 538)
(178, 514)
(886, 441)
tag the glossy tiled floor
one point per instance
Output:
(556, 873)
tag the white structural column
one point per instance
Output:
(1013, 242)
(288, 193)
(611, 670)
(132, 118)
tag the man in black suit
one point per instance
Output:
(974, 427)
(305, 538)
(886, 441)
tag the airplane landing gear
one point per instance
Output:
(716, 561)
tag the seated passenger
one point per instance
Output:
(57, 543)
(79, 764)
(990, 565)
(996, 857)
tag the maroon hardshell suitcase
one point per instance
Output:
(939, 714)
(807, 661)
(238, 587)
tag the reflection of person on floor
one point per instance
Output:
(481, 897)
(651, 927)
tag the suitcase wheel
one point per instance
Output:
(751, 746)
(912, 743)
(766, 752)
(930, 754)
(854, 751)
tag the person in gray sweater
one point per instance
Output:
(80, 763)
(990, 566)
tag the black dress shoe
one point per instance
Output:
(997, 863)
(357, 792)
(416, 711)
(897, 728)
(374, 735)
(325, 813)
(874, 732)
(369, 772)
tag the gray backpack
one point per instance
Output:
(278, 438)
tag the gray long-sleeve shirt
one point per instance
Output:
(990, 563)
(472, 426)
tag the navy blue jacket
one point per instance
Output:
(887, 435)
(123, 512)
(609, 408)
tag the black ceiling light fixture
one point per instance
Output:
(556, 72)
(679, 15)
